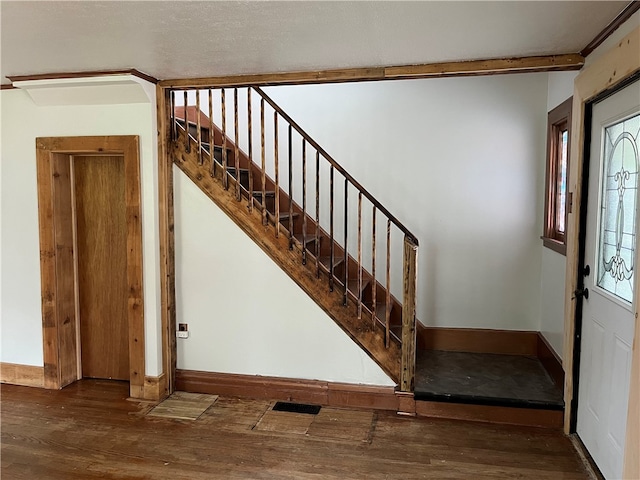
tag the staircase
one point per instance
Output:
(330, 235)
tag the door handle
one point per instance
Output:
(584, 292)
(586, 270)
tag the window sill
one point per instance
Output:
(555, 245)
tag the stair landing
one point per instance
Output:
(485, 379)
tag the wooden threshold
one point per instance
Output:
(572, 61)
(288, 389)
(492, 414)
(100, 73)
(25, 375)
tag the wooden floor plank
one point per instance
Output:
(90, 430)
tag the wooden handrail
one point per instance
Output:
(336, 165)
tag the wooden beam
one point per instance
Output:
(573, 61)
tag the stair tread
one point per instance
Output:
(285, 216)
(326, 261)
(353, 284)
(309, 239)
(268, 193)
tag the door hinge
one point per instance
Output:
(570, 202)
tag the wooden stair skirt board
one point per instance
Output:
(369, 336)
(314, 392)
(25, 375)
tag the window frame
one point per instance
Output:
(558, 120)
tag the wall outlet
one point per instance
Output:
(182, 334)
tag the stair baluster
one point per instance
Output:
(225, 177)
(374, 290)
(236, 152)
(331, 241)
(387, 314)
(212, 167)
(345, 260)
(198, 128)
(304, 201)
(250, 148)
(318, 214)
(277, 173)
(263, 164)
(187, 146)
(360, 255)
(290, 151)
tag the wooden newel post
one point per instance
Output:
(409, 280)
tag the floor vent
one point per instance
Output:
(296, 408)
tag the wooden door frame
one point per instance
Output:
(58, 256)
(607, 72)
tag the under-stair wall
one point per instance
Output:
(273, 329)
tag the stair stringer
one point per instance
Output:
(370, 338)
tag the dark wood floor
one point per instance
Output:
(90, 430)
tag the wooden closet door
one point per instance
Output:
(102, 265)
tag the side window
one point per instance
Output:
(555, 210)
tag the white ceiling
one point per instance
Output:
(183, 39)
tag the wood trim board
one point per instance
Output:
(550, 361)
(155, 388)
(612, 68)
(99, 73)
(485, 413)
(25, 375)
(571, 61)
(477, 340)
(606, 32)
(288, 389)
(167, 239)
(60, 341)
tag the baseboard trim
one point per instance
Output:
(491, 414)
(316, 392)
(550, 361)
(477, 340)
(25, 375)
(155, 388)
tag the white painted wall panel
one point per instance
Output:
(20, 311)
(245, 315)
(460, 162)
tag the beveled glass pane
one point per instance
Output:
(616, 241)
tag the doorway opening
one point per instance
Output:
(91, 259)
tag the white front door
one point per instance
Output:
(608, 322)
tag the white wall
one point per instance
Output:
(458, 161)
(23, 121)
(553, 264)
(245, 315)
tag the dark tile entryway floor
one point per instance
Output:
(485, 379)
